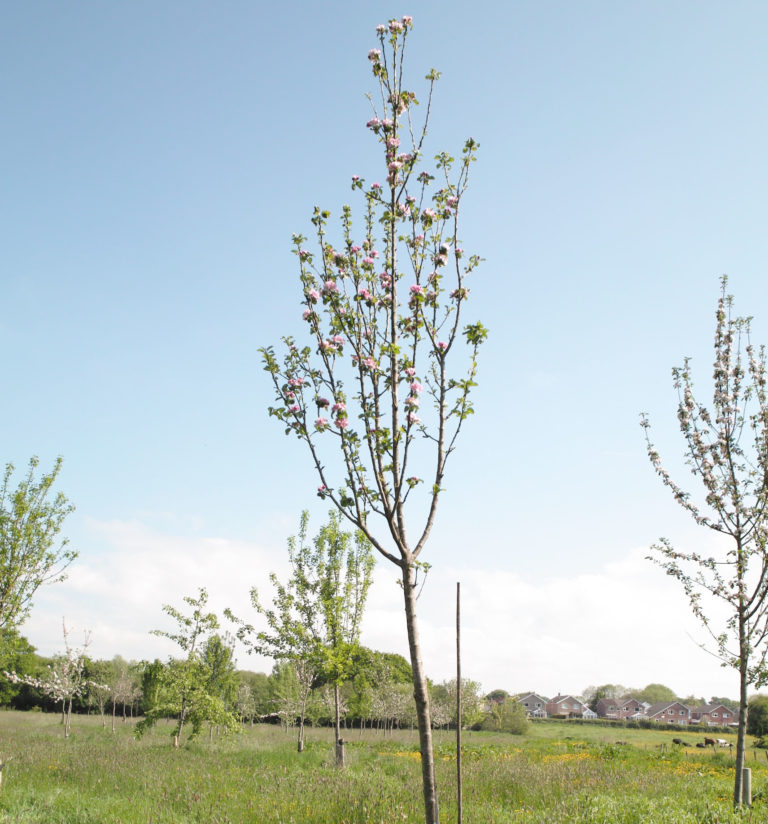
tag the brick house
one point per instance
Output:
(714, 715)
(620, 708)
(668, 712)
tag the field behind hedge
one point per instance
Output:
(559, 773)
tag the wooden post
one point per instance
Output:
(746, 787)
(341, 760)
(459, 810)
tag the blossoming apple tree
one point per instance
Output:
(380, 393)
(727, 449)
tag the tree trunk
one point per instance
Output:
(421, 697)
(459, 807)
(743, 708)
(182, 716)
(337, 728)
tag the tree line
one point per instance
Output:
(377, 695)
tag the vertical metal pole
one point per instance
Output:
(459, 811)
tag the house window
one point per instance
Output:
(715, 715)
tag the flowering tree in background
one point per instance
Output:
(375, 396)
(727, 449)
(66, 678)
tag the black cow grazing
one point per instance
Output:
(701, 746)
(678, 741)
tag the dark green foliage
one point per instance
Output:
(757, 719)
(655, 694)
(193, 688)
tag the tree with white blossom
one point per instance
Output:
(375, 396)
(726, 447)
(66, 678)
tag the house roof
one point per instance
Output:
(655, 709)
(706, 709)
(558, 699)
(533, 695)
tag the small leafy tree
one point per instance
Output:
(727, 449)
(344, 566)
(99, 673)
(184, 689)
(381, 341)
(314, 622)
(294, 622)
(30, 521)
(507, 715)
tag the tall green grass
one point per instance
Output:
(558, 774)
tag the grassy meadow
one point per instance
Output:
(558, 773)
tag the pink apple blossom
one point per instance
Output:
(342, 423)
(412, 417)
(442, 345)
(374, 55)
(313, 295)
(339, 407)
(410, 371)
(293, 408)
(321, 423)
(416, 387)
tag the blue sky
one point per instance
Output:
(157, 159)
